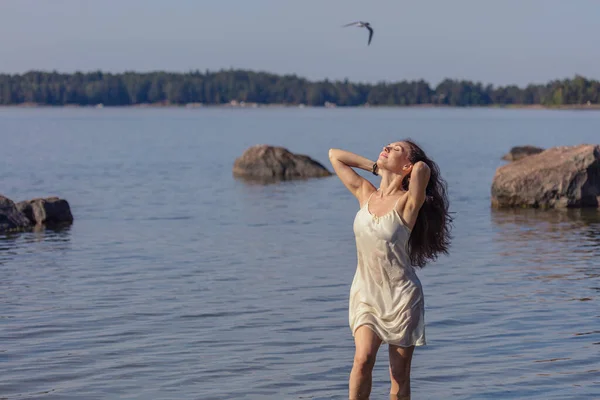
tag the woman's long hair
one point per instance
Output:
(431, 233)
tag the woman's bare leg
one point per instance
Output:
(400, 360)
(367, 343)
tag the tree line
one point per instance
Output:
(225, 86)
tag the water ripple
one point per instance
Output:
(177, 281)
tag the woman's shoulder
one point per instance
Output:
(366, 193)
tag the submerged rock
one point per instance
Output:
(560, 177)
(46, 210)
(11, 219)
(270, 163)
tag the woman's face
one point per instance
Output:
(394, 158)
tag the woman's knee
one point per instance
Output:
(364, 361)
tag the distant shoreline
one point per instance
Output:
(253, 89)
(578, 107)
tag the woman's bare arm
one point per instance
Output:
(343, 162)
(419, 178)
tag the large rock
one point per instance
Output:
(555, 178)
(270, 163)
(519, 152)
(11, 219)
(48, 210)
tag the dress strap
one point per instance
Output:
(396, 203)
(371, 195)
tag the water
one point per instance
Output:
(178, 282)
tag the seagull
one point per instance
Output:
(362, 24)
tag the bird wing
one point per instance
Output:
(351, 23)
(370, 34)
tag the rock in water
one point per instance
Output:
(559, 177)
(519, 152)
(48, 210)
(270, 163)
(11, 219)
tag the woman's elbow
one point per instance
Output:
(421, 167)
(332, 153)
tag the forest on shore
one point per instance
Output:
(263, 88)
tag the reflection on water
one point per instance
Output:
(251, 180)
(555, 220)
(586, 215)
(555, 258)
(52, 238)
(563, 243)
(57, 228)
(55, 232)
(550, 236)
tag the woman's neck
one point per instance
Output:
(391, 184)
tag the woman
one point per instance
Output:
(399, 228)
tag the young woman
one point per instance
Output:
(399, 228)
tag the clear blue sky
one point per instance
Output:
(499, 42)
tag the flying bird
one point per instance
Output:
(362, 24)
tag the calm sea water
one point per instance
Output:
(178, 282)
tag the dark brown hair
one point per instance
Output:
(431, 233)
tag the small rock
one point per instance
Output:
(48, 210)
(519, 152)
(559, 177)
(271, 163)
(11, 219)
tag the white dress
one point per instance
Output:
(386, 294)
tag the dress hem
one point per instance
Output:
(418, 343)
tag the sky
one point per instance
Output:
(498, 42)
